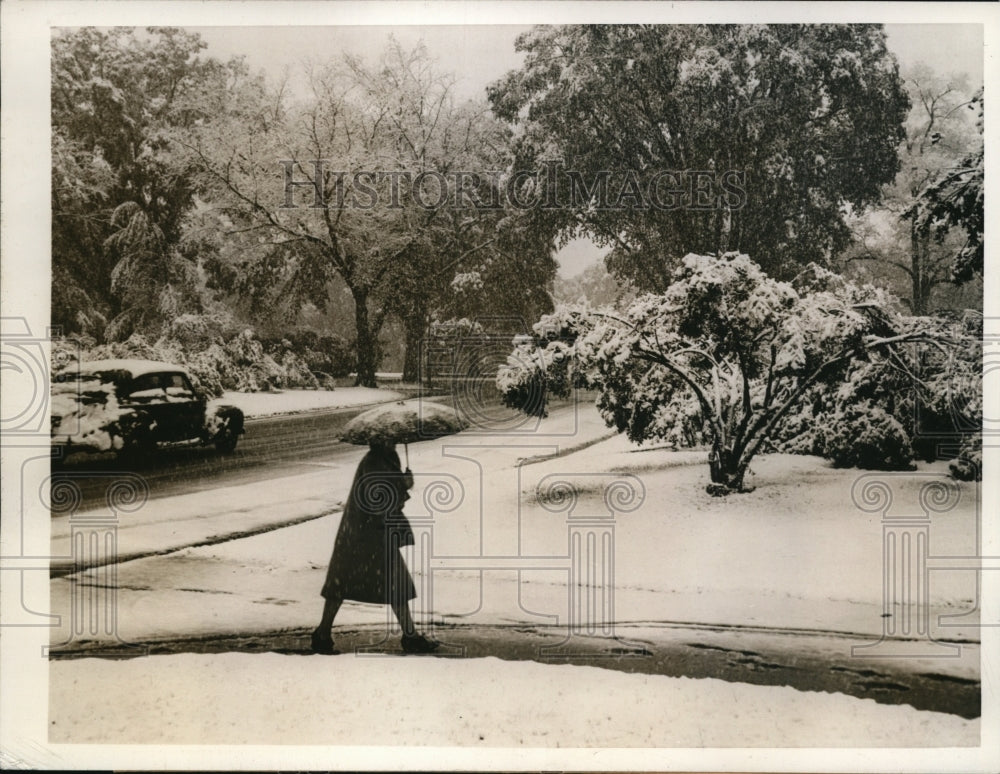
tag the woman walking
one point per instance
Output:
(366, 565)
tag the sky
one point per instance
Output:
(481, 54)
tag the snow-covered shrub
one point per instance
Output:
(455, 328)
(296, 372)
(866, 436)
(968, 466)
(799, 432)
(252, 369)
(66, 352)
(243, 364)
(541, 365)
(326, 353)
(261, 376)
(195, 342)
(135, 346)
(933, 389)
(523, 388)
(209, 369)
(729, 356)
(196, 332)
(339, 357)
(323, 354)
(245, 349)
(951, 398)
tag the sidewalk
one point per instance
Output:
(805, 662)
(482, 703)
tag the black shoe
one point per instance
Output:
(322, 643)
(417, 643)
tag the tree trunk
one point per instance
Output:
(415, 326)
(726, 471)
(917, 251)
(366, 344)
(725, 229)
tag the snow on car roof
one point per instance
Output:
(134, 367)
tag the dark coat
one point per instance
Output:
(366, 565)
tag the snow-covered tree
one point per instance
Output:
(903, 239)
(357, 181)
(595, 285)
(785, 124)
(955, 199)
(721, 357)
(120, 193)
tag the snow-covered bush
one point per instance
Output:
(726, 355)
(338, 356)
(296, 372)
(933, 390)
(209, 368)
(196, 332)
(543, 364)
(253, 369)
(968, 466)
(325, 354)
(866, 436)
(196, 343)
(523, 388)
(135, 346)
(951, 399)
(799, 432)
(455, 328)
(245, 349)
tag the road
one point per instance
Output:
(272, 447)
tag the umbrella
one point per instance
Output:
(403, 423)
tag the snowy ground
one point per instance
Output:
(262, 404)
(796, 553)
(198, 699)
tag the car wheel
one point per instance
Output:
(225, 441)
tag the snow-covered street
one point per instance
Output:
(264, 404)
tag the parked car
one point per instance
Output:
(133, 406)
